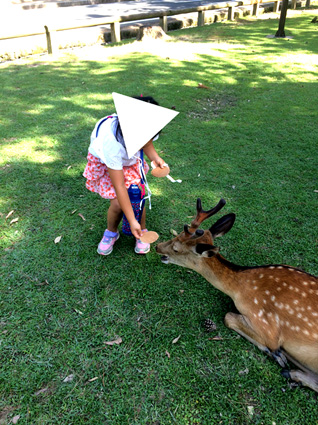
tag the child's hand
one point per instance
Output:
(159, 162)
(135, 229)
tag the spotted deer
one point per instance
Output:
(278, 304)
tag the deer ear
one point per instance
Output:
(206, 250)
(222, 226)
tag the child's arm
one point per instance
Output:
(151, 153)
(117, 178)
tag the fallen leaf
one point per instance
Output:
(216, 338)
(42, 283)
(181, 291)
(9, 214)
(173, 232)
(115, 342)
(93, 379)
(15, 419)
(316, 191)
(69, 378)
(202, 86)
(176, 340)
(14, 220)
(73, 212)
(69, 167)
(57, 240)
(78, 311)
(250, 410)
(244, 372)
(43, 390)
(82, 217)
(168, 354)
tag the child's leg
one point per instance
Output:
(143, 219)
(114, 215)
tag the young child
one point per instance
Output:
(110, 172)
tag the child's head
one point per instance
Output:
(117, 129)
(148, 99)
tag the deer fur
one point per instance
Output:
(278, 304)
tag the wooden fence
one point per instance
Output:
(115, 22)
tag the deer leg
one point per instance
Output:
(242, 326)
(307, 379)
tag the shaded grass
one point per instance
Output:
(251, 138)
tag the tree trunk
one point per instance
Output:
(281, 27)
(307, 3)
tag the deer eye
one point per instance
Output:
(199, 232)
(175, 248)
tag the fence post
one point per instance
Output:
(50, 40)
(230, 13)
(163, 22)
(201, 18)
(115, 32)
(276, 7)
(256, 8)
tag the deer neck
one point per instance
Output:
(221, 273)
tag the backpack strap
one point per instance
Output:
(101, 122)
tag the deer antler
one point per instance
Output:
(203, 215)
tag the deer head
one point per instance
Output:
(193, 243)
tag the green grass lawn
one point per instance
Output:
(250, 138)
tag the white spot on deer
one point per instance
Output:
(305, 283)
(291, 270)
(285, 284)
(299, 315)
(312, 282)
(296, 289)
(313, 313)
(255, 300)
(261, 276)
(280, 267)
(279, 288)
(267, 292)
(287, 323)
(303, 294)
(297, 328)
(272, 267)
(291, 287)
(273, 297)
(255, 287)
(277, 318)
(295, 302)
(276, 279)
(308, 307)
(264, 301)
(291, 311)
(315, 335)
(305, 332)
(311, 291)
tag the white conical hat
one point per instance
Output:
(140, 121)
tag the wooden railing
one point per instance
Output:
(115, 22)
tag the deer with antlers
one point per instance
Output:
(278, 304)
